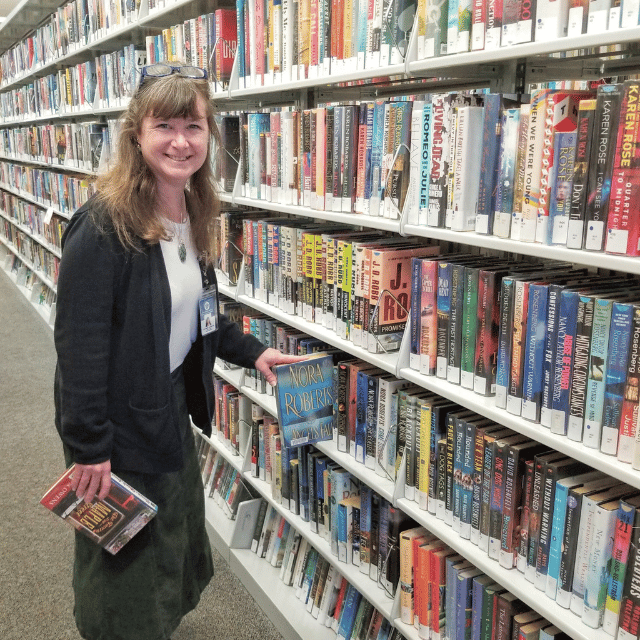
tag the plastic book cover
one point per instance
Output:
(111, 522)
(534, 352)
(305, 395)
(561, 187)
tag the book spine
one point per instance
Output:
(596, 385)
(607, 113)
(629, 411)
(550, 351)
(630, 600)
(616, 375)
(534, 352)
(580, 369)
(503, 363)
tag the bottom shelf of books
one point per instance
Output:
(39, 296)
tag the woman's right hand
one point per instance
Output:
(89, 480)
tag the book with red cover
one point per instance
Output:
(111, 522)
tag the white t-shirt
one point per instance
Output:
(185, 283)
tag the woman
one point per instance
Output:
(135, 355)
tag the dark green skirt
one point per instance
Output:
(143, 592)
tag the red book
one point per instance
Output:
(623, 222)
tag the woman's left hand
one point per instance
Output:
(270, 358)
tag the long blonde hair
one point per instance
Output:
(128, 190)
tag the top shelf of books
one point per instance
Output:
(390, 47)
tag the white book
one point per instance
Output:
(598, 21)
(551, 19)
(387, 385)
(415, 156)
(467, 168)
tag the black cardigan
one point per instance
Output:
(113, 390)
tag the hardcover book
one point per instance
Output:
(305, 397)
(111, 522)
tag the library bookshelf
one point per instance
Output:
(507, 69)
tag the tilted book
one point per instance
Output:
(111, 522)
(305, 396)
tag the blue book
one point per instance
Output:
(557, 526)
(597, 372)
(443, 317)
(489, 163)
(617, 359)
(550, 346)
(365, 527)
(385, 630)
(534, 352)
(453, 566)
(503, 353)
(305, 396)
(478, 595)
(567, 323)
(505, 184)
(560, 201)
(368, 155)
(372, 421)
(377, 146)
(425, 162)
(361, 415)
(240, 17)
(309, 570)
(464, 602)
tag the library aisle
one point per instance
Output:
(35, 549)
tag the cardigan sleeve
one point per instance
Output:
(82, 337)
(235, 346)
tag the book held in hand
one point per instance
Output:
(111, 522)
(305, 396)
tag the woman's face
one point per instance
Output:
(175, 149)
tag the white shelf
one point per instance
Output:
(43, 311)
(275, 598)
(27, 263)
(219, 527)
(512, 579)
(31, 198)
(386, 224)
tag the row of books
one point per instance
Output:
(207, 41)
(107, 81)
(328, 597)
(320, 272)
(555, 345)
(538, 177)
(63, 191)
(46, 229)
(295, 40)
(72, 145)
(444, 595)
(41, 293)
(73, 25)
(43, 262)
(222, 481)
(472, 25)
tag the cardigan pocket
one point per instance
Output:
(154, 429)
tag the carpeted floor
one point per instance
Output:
(35, 547)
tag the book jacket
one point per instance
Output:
(111, 522)
(305, 395)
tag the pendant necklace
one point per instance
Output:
(178, 232)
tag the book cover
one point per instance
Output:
(111, 522)
(305, 396)
(629, 412)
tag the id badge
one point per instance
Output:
(209, 310)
